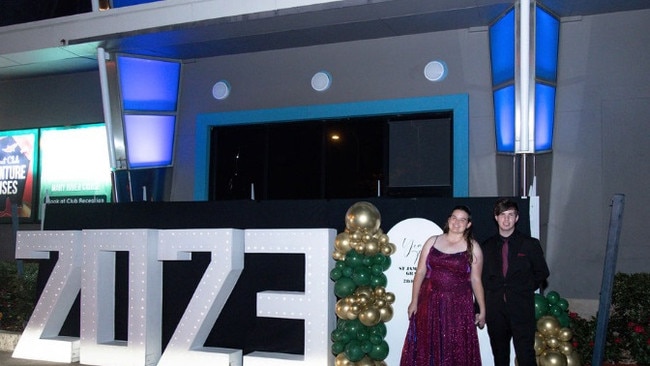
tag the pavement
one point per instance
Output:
(7, 360)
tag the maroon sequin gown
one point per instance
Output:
(442, 331)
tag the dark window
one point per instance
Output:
(400, 155)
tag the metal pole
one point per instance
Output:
(523, 178)
(609, 271)
(14, 229)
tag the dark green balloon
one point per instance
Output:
(344, 287)
(553, 297)
(352, 327)
(376, 339)
(363, 333)
(376, 269)
(555, 310)
(379, 329)
(361, 276)
(336, 273)
(366, 346)
(379, 280)
(338, 347)
(541, 306)
(342, 337)
(353, 351)
(563, 304)
(379, 351)
(347, 271)
(353, 259)
(379, 259)
(387, 263)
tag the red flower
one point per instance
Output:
(639, 329)
(573, 315)
(591, 344)
(575, 343)
(617, 340)
(631, 324)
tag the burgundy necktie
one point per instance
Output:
(504, 257)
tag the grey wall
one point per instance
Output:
(600, 147)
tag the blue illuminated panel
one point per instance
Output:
(123, 3)
(504, 119)
(502, 49)
(547, 36)
(149, 140)
(148, 85)
(544, 116)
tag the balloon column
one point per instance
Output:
(362, 253)
(553, 345)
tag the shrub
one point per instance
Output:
(628, 330)
(17, 294)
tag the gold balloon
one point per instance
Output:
(342, 360)
(366, 237)
(342, 309)
(342, 242)
(390, 297)
(380, 363)
(553, 358)
(383, 239)
(540, 345)
(355, 236)
(380, 291)
(364, 291)
(363, 216)
(386, 313)
(372, 248)
(566, 348)
(355, 309)
(565, 334)
(552, 343)
(573, 359)
(370, 317)
(338, 256)
(386, 250)
(365, 361)
(548, 325)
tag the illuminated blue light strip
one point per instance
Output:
(544, 117)
(458, 104)
(502, 49)
(504, 119)
(547, 37)
(123, 3)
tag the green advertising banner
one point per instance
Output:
(75, 166)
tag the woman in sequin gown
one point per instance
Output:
(442, 328)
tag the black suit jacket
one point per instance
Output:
(527, 271)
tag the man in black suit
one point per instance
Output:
(513, 269)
